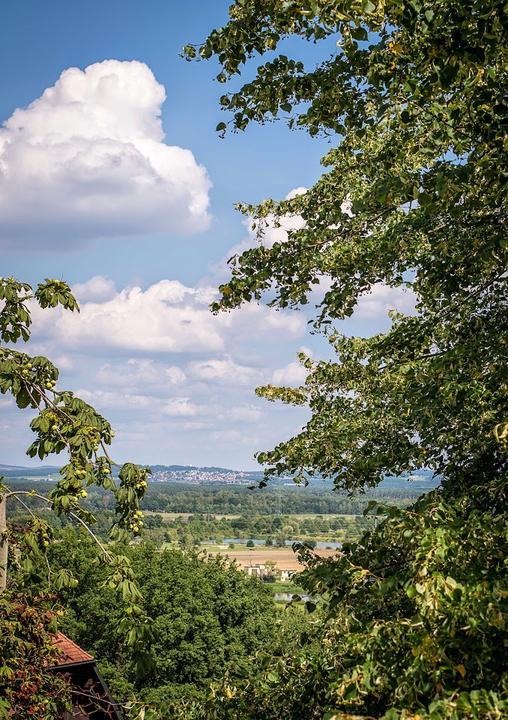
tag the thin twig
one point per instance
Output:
(106, 552)
(25, 506)
(35, 518)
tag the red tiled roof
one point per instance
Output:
(68, 652)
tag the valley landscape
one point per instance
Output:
(266, 238)
(224, 512)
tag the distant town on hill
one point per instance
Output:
(194, 475)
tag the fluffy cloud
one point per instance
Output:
(180, 407)
(375, 304)
(104, 400)
(292, 374)
(141, 373)
(224, 371)
(97, 289)
(88, 160)
(166, 317)
(169, 406)
(176, 382)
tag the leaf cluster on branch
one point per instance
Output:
(64, 423)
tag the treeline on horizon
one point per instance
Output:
(240, 500)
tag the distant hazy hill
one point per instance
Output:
(193, 468)
(20, 471)
(421, 478)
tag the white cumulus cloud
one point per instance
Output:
(105, 400)
(291, 374)
(87, 160)
(141, 373)
(294, 373)
(224, 371)
(381, 299)
(167, 317)
(97, 289)
(180, 407)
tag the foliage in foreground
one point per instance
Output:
(414, 624)
(62, 423)
(413, 199)
(209, 619)
(27, 688)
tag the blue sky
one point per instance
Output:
(140, 223)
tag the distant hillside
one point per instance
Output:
(20, 471)
(193, 474)
(189, 468)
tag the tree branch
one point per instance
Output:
(106, 552)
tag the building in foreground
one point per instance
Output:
(91, 699)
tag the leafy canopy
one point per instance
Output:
(209, 618)
(413, 195)
(413, 627)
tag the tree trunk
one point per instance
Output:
(3, 543)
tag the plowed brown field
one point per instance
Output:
(284, 558)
